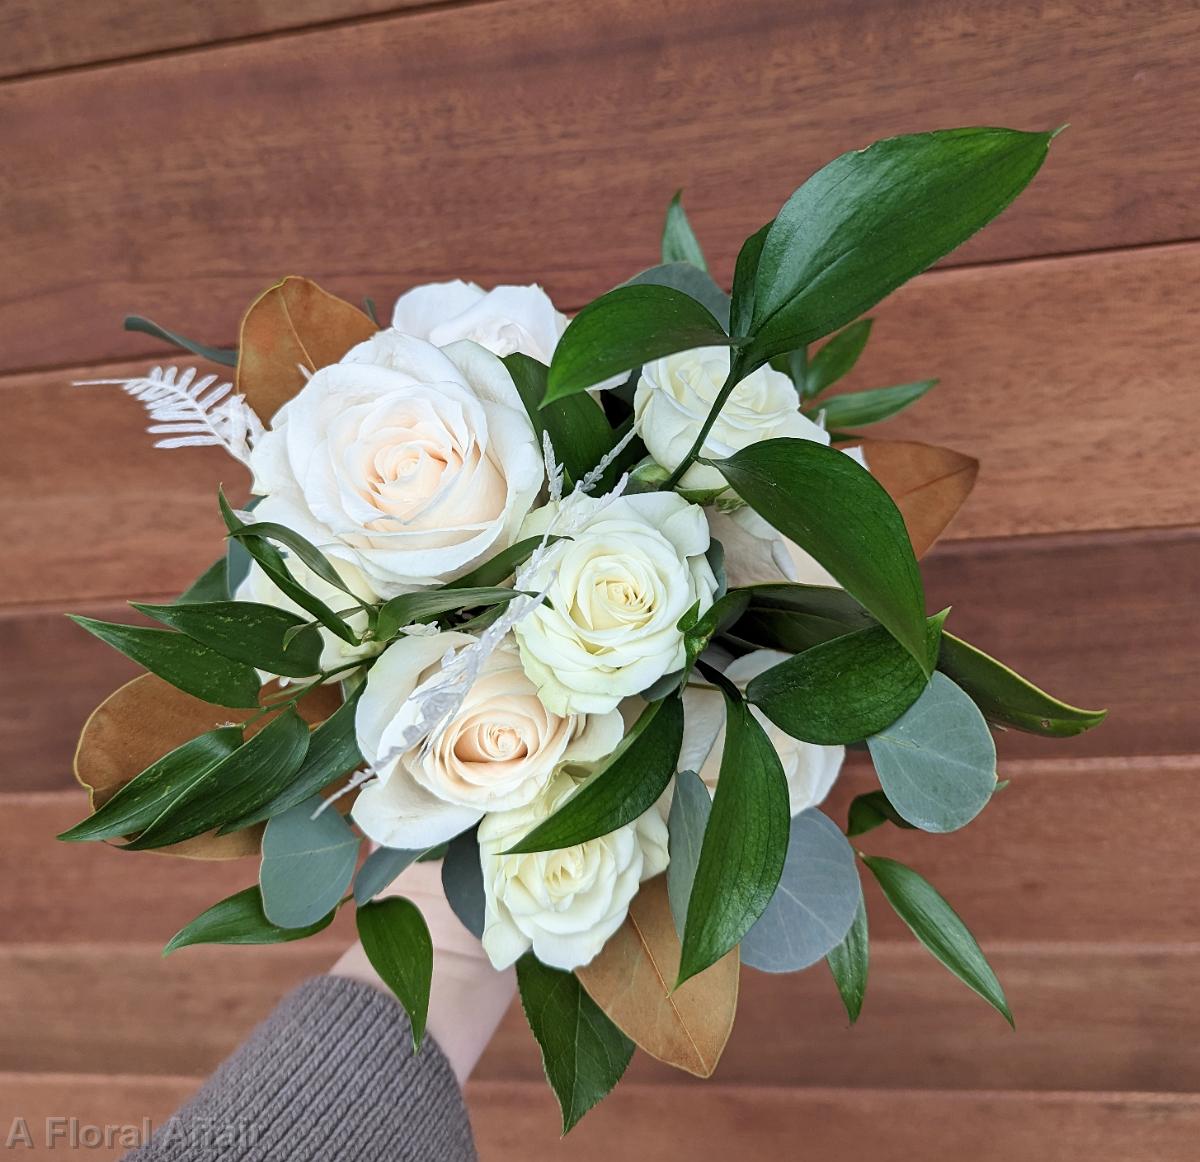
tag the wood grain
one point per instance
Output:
(541, 139)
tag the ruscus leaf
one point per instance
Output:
(396, 940)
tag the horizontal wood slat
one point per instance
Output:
(541, 139)
(86, 1007)
(516, 1122)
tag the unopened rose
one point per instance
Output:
(499, 751)
(810, 769)
(675, 394)
(563, 904)
(616, 591)
(413, 463)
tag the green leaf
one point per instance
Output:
(332, 752)
(1007, 698)
(871, 219)
(305, 551)
(691, 806)
(937, 926)
(842, 690)
(246, 632)
(240, 919)
(849, 963)
(462, 881)
(239, 783)
(624, 328)
(679, 243)
(583, 1053)
(836, 358)
(834, 509)
(871, 810)
(859, 409)
(502, 566)
(937, 761)
(224, 355)
(427, 604)
(745, 274)
(396, 940)
(793, 617)
(142, 800)
(745, 842)
(211, 585)
(307, 864)
(379, 869)
(627, 785)
(692, 281)
(180, 660)
(717, 617)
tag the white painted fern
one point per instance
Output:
(190, 412)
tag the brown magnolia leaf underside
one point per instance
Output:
(143, 720)
(929, 484)
(631, 981)
(291, 325)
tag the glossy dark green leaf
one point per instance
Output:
(858, 409)
(842, 690)
(182, 661)
(717, 617)
(872, 218)
(307, 863)
(142, 800)
(937, 926)
(937, 761)
(679, 242)
(502, 566)
(247, 632)
(834, 509)
(624, 328)
(380, 869)
(871, 810)
(1007, 698)
(239, 783)
(583, 1053)
(691, 806)
(396, 940)
(627, 785)
(793, 617)
(226, 356)
(240, 919)
(745, 274)
(211, 585)
(850, 961)
(462, 881)
(745, 842)
(427, 604)
(304, 550)
(692, 281)
(836, 358)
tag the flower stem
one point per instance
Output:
(736, 375)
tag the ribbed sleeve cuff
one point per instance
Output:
(330, 1075)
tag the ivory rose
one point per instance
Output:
(810, 769)
(616, 591)
(410, 462)
(499, 751)
(675, 394)
(563, 904)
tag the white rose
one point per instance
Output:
(617, 590)
(563, 904)
(411, 462)
(810, 769)
(499, 751)
(675, 394)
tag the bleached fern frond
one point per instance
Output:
(190, 412)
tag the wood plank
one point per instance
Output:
(705, 1121)
(85, 1007)
(36, 37)
(1068, 852)
(541, 139)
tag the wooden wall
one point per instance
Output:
(172, 159)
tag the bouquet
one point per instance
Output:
(590, 611)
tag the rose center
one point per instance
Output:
(491, 742)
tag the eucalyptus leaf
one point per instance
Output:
(679, 242)
(871, 810)
(227, 356)
(937, 926)
(380, 869)
(396, 940)
(692, 280)
(182, 661)
(240, 919)
(462, 881)
(815, 903)
(427, 604)
(836, 358)
(859, 409)
(850, 961)
(937, 761)
(307, 864)
(583, 1053)
(691, 806)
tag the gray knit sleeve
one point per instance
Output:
(330, 1075)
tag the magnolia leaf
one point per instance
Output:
(928, 484)
(692, 280)
(815, 903)
(836, 358)
(462, 881)
(631, 981)
(291, 325)
(308, 862)
(396, 940)
(679, 242)
(937, 761)
(691, 806)
(240, 919)
(850, 961)
(380, 869)
(857, 409)
(583, 1053)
